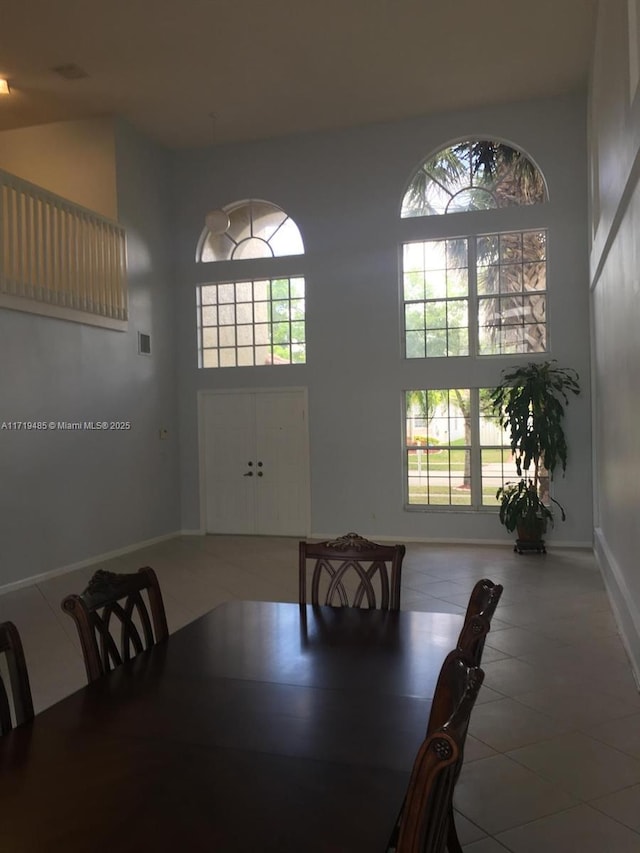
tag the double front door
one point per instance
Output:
(255, 462)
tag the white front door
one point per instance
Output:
(255, 465)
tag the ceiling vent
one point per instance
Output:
(70, 72)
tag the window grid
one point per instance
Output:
(485, 295)
(456, 454)
(436, 298)
(250, 323)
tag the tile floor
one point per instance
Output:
(553, 755)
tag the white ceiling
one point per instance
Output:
(272, 67)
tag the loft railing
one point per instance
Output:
(60, 259)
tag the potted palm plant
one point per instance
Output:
(529, 403)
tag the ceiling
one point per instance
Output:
(195, 72)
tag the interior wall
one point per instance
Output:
(614, 136)
(74, 159)
(70, 495)
(344, 190)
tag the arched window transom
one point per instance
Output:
(473, 175)
(257, 229)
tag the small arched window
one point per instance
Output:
(255, 318)
(257, 229)
(473, 175)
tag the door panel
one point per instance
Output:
(282, 490)
(228, 446)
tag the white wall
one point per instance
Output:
(74, 159)
(344, 191)
(614, 136)
(69, 496)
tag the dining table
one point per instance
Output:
(260, 727)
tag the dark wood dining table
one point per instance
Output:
(260, 726)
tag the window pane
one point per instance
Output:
(436, 344)
(243, 291)
(415, 344)
(414, 317)
(210, 358)
(260, 291)
(287, 240)
(226, 293)
(245, 336)
(261, 312)
(244, 313)
(414, 285)
(245, 356)
(252, 247)
(436, 315)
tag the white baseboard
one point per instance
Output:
(196, 532)
(452, 541)
(625, 609)
(99, 558)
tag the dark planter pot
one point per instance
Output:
(530, 536)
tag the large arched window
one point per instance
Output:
(470, 290)
(251, 320)
(477, 293)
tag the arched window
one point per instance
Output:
(473, 286)
(481, 293)
(473, 175)
(255, 319)
(257, 229)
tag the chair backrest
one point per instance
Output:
(484, 599)
(424, 823)
(482, 605)
(472, 638)
(115, 601)
(352, 572)
(18, 694)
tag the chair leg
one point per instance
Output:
(453, 843)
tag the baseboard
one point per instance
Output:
(453, 541)
(98, 558)
(197, 532)
(625, 609)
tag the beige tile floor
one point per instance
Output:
(553, 756)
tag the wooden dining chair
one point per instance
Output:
(16, 693)
(425, 823)
(484, 599)
(482, 605)
(351, 572)
(116, 603)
